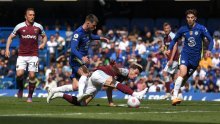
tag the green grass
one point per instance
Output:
(13, 110)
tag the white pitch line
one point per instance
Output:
(104, 113)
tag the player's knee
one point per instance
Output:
(19, 73)
(109, 81)
(31, 76)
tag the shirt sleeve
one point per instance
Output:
(42, 32)
(208, 36)
(15, 31)
(74, 46)
(95, 37)
(175, 39)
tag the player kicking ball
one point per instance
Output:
(110, 76)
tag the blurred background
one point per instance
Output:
(131, 25)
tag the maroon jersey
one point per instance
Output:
(119, 74)
(167, 40)
(28, 35)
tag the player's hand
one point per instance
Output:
(167, 52)
(208, 53)
(112, 62)
(41, 46)
(85, 59)
(105, 39)
(7, 53)
(170, 62)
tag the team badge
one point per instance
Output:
(196, 32)
(75, 35)
(23, 30)
(183, 61)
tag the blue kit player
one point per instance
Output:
(79, 56)
(193, 34)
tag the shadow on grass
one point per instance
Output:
(45, 120)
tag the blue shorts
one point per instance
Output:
(191, 62)
(75, 67)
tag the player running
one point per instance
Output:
(28, 32)
(79, 55)
(192, 51)
(172, 64)
(110, 76)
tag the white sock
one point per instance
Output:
(177, 86)
(81, 85)
(64, 88)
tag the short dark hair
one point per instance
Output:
(92, 18)
(29, 9)
(191, 11)
(165, 24)
(136, 66)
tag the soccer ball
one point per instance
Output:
(133, 102)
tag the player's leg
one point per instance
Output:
(178, 83)
(167, 80)
(89, 91)
(89, 94)
(31, 85)
(20, 68)
(82, 80)
(19, 81)
(102, 78)
(65, 88)
(32, 68)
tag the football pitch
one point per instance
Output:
(17, 111)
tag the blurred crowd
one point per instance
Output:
(143, 47)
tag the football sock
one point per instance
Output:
(71, 99)
(124, 88)
(64, 88)
(31, 89)
(82, 83)
(177, 86)
(19, 81)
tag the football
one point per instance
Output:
(133, 102)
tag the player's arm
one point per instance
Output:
(211, 43)
(74, 46)
(44, 37)
(97, 37)
(173, 42)
(173, 54)
(109, 96)
(44, 41)
(9, 41)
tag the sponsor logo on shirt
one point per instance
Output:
(191, 41)
(28, 37)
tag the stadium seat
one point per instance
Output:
(142, 22)
(7, 82)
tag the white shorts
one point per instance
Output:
(30, 61)
(95, 82)
(171, 69)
